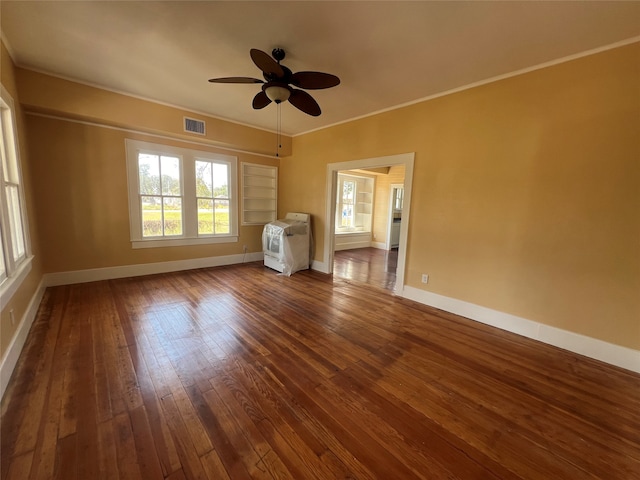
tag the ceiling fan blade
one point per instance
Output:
(235, 80)
(304, 102)
(261, 100)
(265, 63)
(314, 80)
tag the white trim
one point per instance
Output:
(406, 159)
(181, 241)
(321, 267)
(351, 240)
(11, 284)
(16, 345)
(591, 347)
(479, 83)
(123, 271)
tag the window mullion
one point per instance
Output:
(189, 200)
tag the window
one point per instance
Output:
(160, 195)
(354, 203)
(212, 192)
(346, 203)
(179, 196)
(14, 238)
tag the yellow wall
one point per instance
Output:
(19, 302)
(51, 95)
(77, 148)
(382, 201)
(82, 187)
(526, 193)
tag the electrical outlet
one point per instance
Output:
(425, 278)
(12, 317)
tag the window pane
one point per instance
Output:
(172, 216)
(3, 154)
(149, 173)
(15, 222)
(205, 216)
(222, 216)
(220, 180)
(151, 216)
(3, 270)
(8, 147)
(348, 189)
(204, 183)
(347, 215)
(170, 168)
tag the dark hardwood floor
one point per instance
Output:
(236, 373)
(367, 265)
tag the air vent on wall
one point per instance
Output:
(194, 126)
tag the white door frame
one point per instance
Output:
(405, 159)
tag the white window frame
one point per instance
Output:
(341, 181)
(17, 267)
(187, 158)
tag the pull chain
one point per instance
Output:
(279, 128)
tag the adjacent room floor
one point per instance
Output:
(373, 266)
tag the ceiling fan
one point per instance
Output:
(278, 82)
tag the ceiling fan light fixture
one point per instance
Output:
(277, 93)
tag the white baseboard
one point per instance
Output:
(108, 273)
(591, 347)
(379, 245)
(321, 267)
(12, 354)
(352, 245)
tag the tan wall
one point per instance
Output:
(82, 188)
(526, 192)
(19, 302)
(382, 201)
(51, 95)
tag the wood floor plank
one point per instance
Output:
(125, 447)
(107, 454)
(236, 372)
(191, 464)
(67, 458)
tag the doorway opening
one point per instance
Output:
(379, 255)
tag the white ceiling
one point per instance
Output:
(386, 53)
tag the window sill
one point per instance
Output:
(353, 232)
(11, 284)
(180, 242)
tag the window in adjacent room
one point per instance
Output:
(179, 196)
(346, 202)
(14, 236)
(354, 203)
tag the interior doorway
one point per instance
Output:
(405, 160)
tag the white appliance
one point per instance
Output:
(286, 243)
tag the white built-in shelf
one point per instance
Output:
(259, 194)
